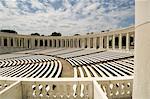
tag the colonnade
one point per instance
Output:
(121, 39)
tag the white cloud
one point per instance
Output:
(82, 17)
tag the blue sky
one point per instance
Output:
(65, 16)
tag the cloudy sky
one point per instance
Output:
(65, 16)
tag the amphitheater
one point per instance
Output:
(68, 66)
(94, 66)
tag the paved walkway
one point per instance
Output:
(67, 70)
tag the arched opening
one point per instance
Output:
(59, 43)
(110, 41)
(28, 43)
(41, 42)
(45, 42)
(105, 42)
(64, 43)
(36, 42)
(11, 42)
(116, 42)
(79, 43)
(123, 42)
(131, 41)
(21, 42)
(67, 42)
(54, 43)
(85, 43)
(97, 42)
(5, 41)
(50, 43)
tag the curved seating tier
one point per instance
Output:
(33, 66)
(103, 64)
(85, 63)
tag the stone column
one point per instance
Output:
(120, 41)
(88, 42)
(48, 43)
(71, 46)
(141, 88)
(53, 43)
(2, 41)
(26, 43)
(77, 42)
(107, 41)
(43, 43)
(38, 42)
(70, 43)
(66, 41)
(61, 43)
(127, 41)
(101, 42)
(113, 42)
(8, 42)
(94, 42)
(82, 43)
(14, 42)
(56, 43)
(33, 42)
(18, 42)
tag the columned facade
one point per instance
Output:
(123, 39)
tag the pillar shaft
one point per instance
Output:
(8, 42)
(127, 41)
(14, 42)
(94, 42)
(32, 43)
(141, 86)
(113, 42)
(88, 42)
(101, 42)
(2, 41)
(120, 41)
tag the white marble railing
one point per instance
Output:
(68, 88)
(59, 89)
(120, 87)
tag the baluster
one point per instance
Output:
(75, 90)
(78, 91)
(37, 91)
(73, 87)
(34, 90)
(82, 90)
(47, 90)
(44, 91)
